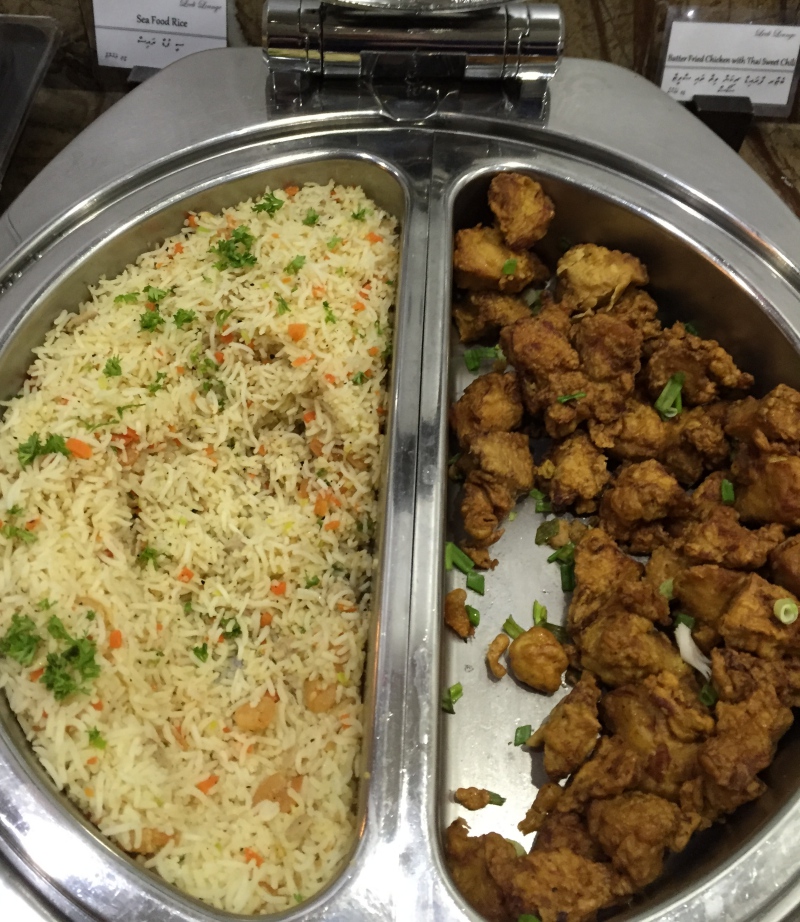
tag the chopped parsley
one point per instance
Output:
(151, 320)
(234, 253)
(66, 672)
(155, 295)
(187, 607)
(130, 298)
(113, 368)
(157, 385)
(33, 447)
(230, 628)
(293, 267)
(330, 317)
(13, 531)
(20, 642)
(127, 406)
(311, 218)
(181, 317)
(283, 307)
(96, 739)
(221, 316)
(312, 581)
(361, 214)
(334, 242)
(359, 378)
(509, 267)
(149, 555)
(269, 204)
(201, 652)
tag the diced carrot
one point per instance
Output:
(62, 400)
(186, 575)
(367, 285)
(89, 792)
(321, 507)
(192, 221)
(345, 606)
(330, 379)
(29, 526)
(193, 396)
(359, 306)
(301, 360)
(262, 449)
(363, 294)
(368, 373)
(286, 279)
(79, 448)
(332, 525)
(318, 291)
(297, 783)
(178, 248)
(278, 588)
(159, 627)
(381, 411)
(315, 447)
(250, 854)
(226, 729)
(297, 331)
(302, 489)
(372, 237)
(291, 190)
(97, 705)
(309, 416)
(115, 640)
(227, 338)
(373, 350)
(91, 761)
(150, 305)
(129, 437)
(181, 370)
(220, 358)
(276, 236)
(266, 618)
(36, 674)
(207, 783)
(209, 450)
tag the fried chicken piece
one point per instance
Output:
(455, 613)
(555, 885)
(613, 768)
(483, 262)
(539, 347)
(546, 798)
(480, 557)
(466, 859)
(696, 443)
(717, 537)
(496, 649)
(744, 744)
(749, 623)
(579, 474)
(570, 732)
(538, 659)
(705, 592)
(481, 520)
(484, 313)
(665, 564)
(640, 495)
(767, 488)
(661, 720)
(769, 424)
(504, 458)
(610, 350)
(622, 648)
(706, 366)
(567, 830)
(636, 830)
(473, 798)
(522, 209)
(597, 276)
(491, 403)
(638, 434)
(636, 308)
(737, 676)
(784, 564)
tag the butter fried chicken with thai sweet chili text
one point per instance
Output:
(682, 641)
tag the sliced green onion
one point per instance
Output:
(512, 515)
(565, 398)
(528, 917)
(669, 403)
(496, 800)
(454, 459)
(454, 556)
(682, 618)
(567, 577)
(473, 358)
(511, 628)
(558, 631)
(539, 614)
(565, 554)
(474, 615)
(476, 582)
(533, 298)
(509, 267)
(451, 696)
(785, 611)
(542, 502)
(522, 734)
(547, 530)
(691, 328)
(667, 589)
(727, 492)
(708, 695)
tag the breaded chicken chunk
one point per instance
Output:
(767, 487)
(597, 276)
(466, 861)
(455, 613)
(567, 830)
(749, 622)
(579, 474)
(537, 659)
(706, 366)
(613, 768)
(737, 676)
(522, 209)
(772, 423)
(483, 262)
(636, 308)
(491, 403)
(716, 536)
(696, 443)
(705, 592)
(482, 314)
(571, 731)
(784, 564)
(609, 349)
(638, 434)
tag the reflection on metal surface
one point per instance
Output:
(718, 244)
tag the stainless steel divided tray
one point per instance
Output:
(720, 249)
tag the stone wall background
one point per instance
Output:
(625, 32)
